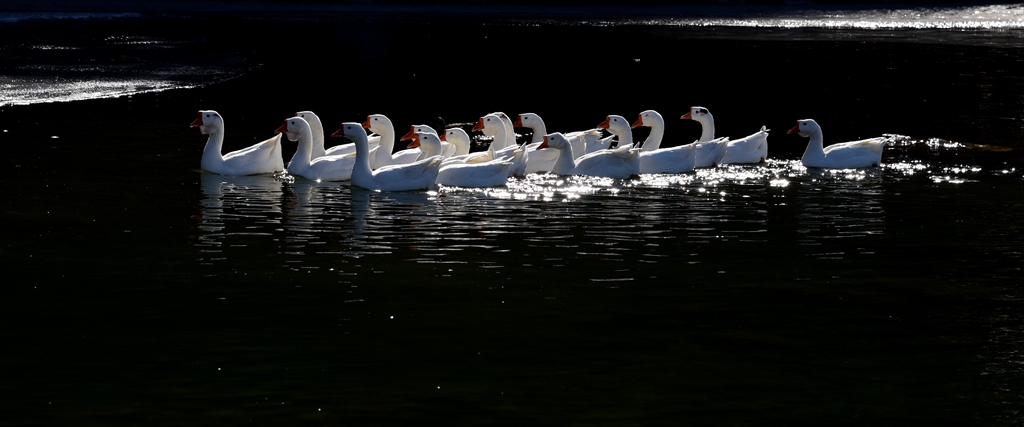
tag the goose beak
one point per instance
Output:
(687, 116)
(544, 144)
(796, 129)
(198, 121)
(415, 141)
(283, 128)
(340, 131)
(519, 122)
(366, 124)
(410, 135)
(479, 125)
(444, 136)
(605, 124)
(639, 122)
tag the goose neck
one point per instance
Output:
(212, 150)
(815, 147)
(708, 129)
(653, 141)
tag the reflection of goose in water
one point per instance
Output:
(378, 216)
(840, 204)
(259, 190)
(256, 198)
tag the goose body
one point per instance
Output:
(544, 160)
(323, 168)
(492, 125)
(418, 175)
(750, 149)
(485, 174)
(263, 157)
(844, 155)
(710, 150)
(653, 158)
(618, 163)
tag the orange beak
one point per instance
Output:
(795, 129)
(198, 121)
(340, 131)
(283, 128)
(415, 141)
(544, 144)
(519, 122)
(410, 135)
(479, 125)
(366, 124)
(605, 124)
(687, 116)
(444, 136)
(639, 122)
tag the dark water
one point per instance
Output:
(145, 292)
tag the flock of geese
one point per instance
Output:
(432, 158)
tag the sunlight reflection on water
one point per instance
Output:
(728, 205)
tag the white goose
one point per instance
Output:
(419, 175)
(620, 130)
(264, 157)
(710, 150)
(653, 158)
(620, 163)
(383, 156)
(485, 174)
(582, 142)
(318, 138)
(460, 139)
(447, 149)
(844, 155)
(750, 149)
(323, 168)
(492, 125)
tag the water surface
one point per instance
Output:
(145, 291)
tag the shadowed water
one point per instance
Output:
(143, 291)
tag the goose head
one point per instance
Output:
(377, 123)
(615, 124)
(294, 128)
(525, 120)
(312, 119)
(351, 130)
(490, 125)
(554, 140)
(427, 142)
(209, 122)
(649, 118)
(699, 114)
(456, 136)
(413, 129)
(806, 128)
